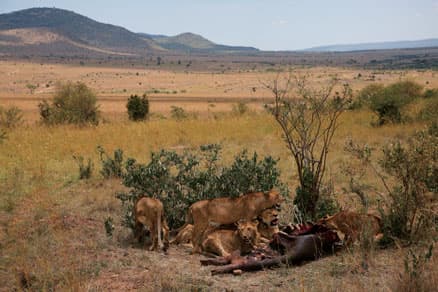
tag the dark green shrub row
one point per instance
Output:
(179, 180)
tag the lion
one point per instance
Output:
(225, 210)
(268, 224)
(353, 225)
(184, 235)
(225, 241)
(149, 212)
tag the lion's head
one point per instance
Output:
(269, 217)
(247, 230)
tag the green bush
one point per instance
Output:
(179, 180)
(430, 110)
(367, 94)
(387, 102)
(138, 107)
(11, 117)
(111, 167)
(73, 103)
(431, 93)
(414, 168)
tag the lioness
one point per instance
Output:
(353, 225)
(149, 212)
(268, 224)
(224, 241)
(227, 211)
(184, 235)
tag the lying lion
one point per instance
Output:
(224, 241)
(354, 225)
(184, 235)
(149, 212)
(268, 224)
(221, 211)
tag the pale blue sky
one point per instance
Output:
(265, 24)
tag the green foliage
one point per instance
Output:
(387, 102)
(111, 167)
(408, 171)
(11, 117)
(240, 108)
(178, 113)
(85, 170)
(309, 205)
(368, 93)
(430, 110)
(414, 167)
(73, 103)
(138, 107)
(179, 180)
(431, 93)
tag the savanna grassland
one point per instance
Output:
(52, 234)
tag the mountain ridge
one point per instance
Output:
(86, 31)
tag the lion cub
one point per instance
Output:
(224, 241)
(149, 212)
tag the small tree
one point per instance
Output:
(11, 117)
(138, 107)
(308, 119)
(73, 103)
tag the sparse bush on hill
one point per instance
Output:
(179, 180)
(308, 119)
(240, 108)
(3, 135)
(178, 113)
(138, 107)
(11, 117)
(73, 103)
(85, 170)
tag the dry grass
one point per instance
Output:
(52, 235)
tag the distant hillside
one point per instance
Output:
(77, 28)
(427, 43)
(53, 31)
(190, 42)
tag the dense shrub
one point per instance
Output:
(3, 135)
(431, 93)
(73, 103)
(388, 102)
(111, 167)
(10, 117)
(138, 107)
(179, 180)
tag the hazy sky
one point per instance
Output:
(265, 24)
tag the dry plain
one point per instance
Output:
(52, 235)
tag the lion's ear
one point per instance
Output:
(255, 221)
(241, 221)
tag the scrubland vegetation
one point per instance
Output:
(59, 180)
